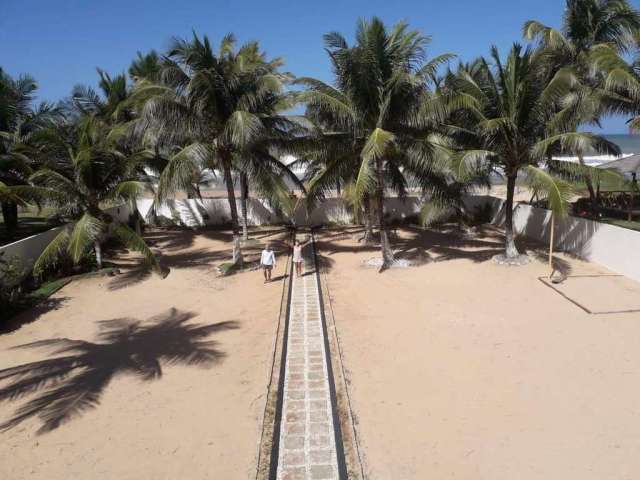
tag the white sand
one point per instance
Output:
(464, 369)
(194, 421)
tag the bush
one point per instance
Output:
(12, 278)
(482, 213)
(433, 214)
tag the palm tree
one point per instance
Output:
(621, 81)
(90, 173)
(217, 111)
(146, 66)
(511, 117)
(19, 123)
(589, 25)
(378, 125)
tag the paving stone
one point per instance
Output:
(307, 438)
(319, 428)
(293, 458)
(318, 405)
(295, 377)
(294, 473)
(295, 442)
(295, 394)
(320, 456)
(321, 472)
(317, 393)
(296, 385)
(319, 441)
(297, 416)
(294, 428)
(317, 385)
(296, 405)
(319, 416)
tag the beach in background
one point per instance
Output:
(629, 145)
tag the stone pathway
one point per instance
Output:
(307, 438)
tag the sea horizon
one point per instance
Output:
(629, 145)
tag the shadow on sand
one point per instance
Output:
(72, 381)
(421, 246)
(31, 315)
(441, 244)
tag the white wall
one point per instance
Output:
(616, 248)
(613, 247)
(215, 211)
(29, 249)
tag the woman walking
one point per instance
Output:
(297, 256)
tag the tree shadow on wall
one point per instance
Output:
(72, 382)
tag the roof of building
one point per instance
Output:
(627, 165)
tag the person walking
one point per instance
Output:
(267, 262)
(297, 257)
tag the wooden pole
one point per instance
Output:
(551, 244)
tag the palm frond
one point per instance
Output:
(86, 231)
(135, 242)
(557, 191)
(52, 252)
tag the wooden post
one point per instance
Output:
(551, 244)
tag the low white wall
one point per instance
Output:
(215, 211)
(207, 212)
(616, 248)
(613, 247)
(29, 249)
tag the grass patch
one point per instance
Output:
(227, 268)
(631, 225)
(47, 289)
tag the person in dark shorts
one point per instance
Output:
(267, 262)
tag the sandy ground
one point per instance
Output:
(465, 369)
(178, 396)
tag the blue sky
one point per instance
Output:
(61, 42)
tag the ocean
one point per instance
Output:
(629, 144)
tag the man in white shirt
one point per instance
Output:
(267, 261)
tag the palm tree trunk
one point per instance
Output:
(510, 246)
(10, 216)
(98, 249)
(551, 244)
(385, 246)
(244, 196)
(592, 192)
(368, 220)
(231, 196)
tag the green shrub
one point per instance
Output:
(12, 278)
(482, 213)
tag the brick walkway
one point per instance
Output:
(307, 437)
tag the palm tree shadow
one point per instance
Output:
(72, 382)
